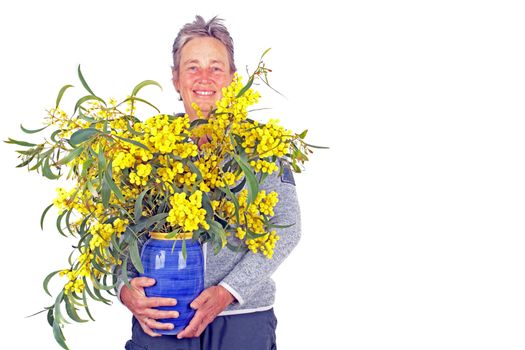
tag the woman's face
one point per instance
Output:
(204, 69)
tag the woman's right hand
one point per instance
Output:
(142, 307)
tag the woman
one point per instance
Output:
(235, 310)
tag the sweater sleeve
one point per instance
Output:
(244, 280)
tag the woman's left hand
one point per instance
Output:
(211, 302)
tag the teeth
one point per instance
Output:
(204, 93)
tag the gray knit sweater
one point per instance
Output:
(245, 275)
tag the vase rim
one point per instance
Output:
(178, 236)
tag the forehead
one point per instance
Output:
(204, 49)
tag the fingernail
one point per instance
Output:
(174, 302)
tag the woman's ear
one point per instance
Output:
(175, 79)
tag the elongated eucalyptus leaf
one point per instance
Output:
(71, 311)
(138, 204)
(124, 272)
(234, 200)
(136, 143)
(82, 135)
(46, 281)
(253, 185)
(193, 168)
(50, 317)
(86, 98)
(59, 336)
(105, 192)
(139, 86)
(61, 93)
(28, 131)
(246, 87)
(83, 81)
(84, 299)
(71, 155)
(114, 188)
(135, 256)
(146, 102)
(44, 215)
(20, 143)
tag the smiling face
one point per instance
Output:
(203, 71)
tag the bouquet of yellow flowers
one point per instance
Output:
(131, 177)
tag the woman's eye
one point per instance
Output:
(216, 69)
(192, 68)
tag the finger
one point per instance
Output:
(200, 300)
(160, 314)
(153, 324)
(142, 282)
(156, 302)
(192, 328)
(148, 330)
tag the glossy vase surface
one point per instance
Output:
(176, 277)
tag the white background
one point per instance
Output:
(413, 221)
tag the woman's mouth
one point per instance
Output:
(204, 93)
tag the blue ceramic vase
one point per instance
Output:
(176, 277)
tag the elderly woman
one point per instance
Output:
(235, 310)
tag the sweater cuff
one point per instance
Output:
(233, 292)
(120, 284)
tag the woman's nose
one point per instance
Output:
(204, 75)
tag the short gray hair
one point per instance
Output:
(200, 28)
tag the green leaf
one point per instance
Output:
(68, 225)
(59, 223)
(20, 143)
(82, 135)
(28, 131)
(83, 81)
(184, 252)
(91, 189)
(71, 155)
(124, 272)
(47, 279)
(319, 147)
(134, 98)
(246, 87)
(50, 318)
(253, 185)
(303, 134)
(44, 215)
(193, 168)
(72, 312)
(265, 52)
(138, 205)
(135, 256)
(113, 186)
(46, 171)
(139, 86)
(105, 192)
(84, 299)
(61, 93)
(269, 225)
(136, 143)
(196, 122)
(233, 198)
(85, 99)
(59, 336)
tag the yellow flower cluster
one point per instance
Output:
(102, 232)
(187, 213)
(264, 140)
(250, 218)
(264, 166)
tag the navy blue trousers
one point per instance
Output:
(253, 331)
